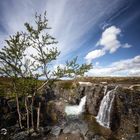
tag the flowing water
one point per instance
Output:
(76, 109)
(103, 116)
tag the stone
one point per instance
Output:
(85, 84)
(31, 130)
(34, 134)
(83, 128)
(94, 97)
(134, 137)
(135, 87)
(3, 131)
(20, 136)
(90, 135)
(41, 129)
(55, 110)
(76, 136)
(104, 83)
(76, 126)
(56, 130)
(97, 137)
(126, 112)
(67, 129)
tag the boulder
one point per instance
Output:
(56, 130)
(8, 113)
(55, 110)
(34, 134)
(83, 128)
(76, 126)
(135, 87)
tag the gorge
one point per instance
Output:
(105, 112)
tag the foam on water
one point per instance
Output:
(76, 109)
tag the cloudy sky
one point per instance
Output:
(103, 32)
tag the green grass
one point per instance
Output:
(6, 86)
(6, 83)
(66, 84)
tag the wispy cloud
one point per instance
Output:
(70, 20)
(126, 45)
(94, 54)
(128, 67)
(109, 42)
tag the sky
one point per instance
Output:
(105, 33)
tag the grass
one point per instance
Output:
(6, 83)
(66, 84)
(6, 86)
(118, 80)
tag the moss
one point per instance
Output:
(95, 127)
(51, 111)
(66, 84)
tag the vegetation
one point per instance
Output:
(25, 69)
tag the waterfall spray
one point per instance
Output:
(103, 116)
(76, 109)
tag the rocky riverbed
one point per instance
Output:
(124, 122)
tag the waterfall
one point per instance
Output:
(76, 109)
(105, 90)
(103, 116)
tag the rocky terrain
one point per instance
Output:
(55, 125)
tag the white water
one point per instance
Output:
(76, 109)
(103, 116)
(105, 90)
(85, 83)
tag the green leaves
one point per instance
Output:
(16, 63)
(11, 55)
(72, 69)
(42, 42)
(59, 72)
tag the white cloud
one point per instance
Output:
(126, 67)
(97, 63)
(134, 72)
(126, 45)
(70, 20)
(109, 42)
(94, 54)
(109, 39)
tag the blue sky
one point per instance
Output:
(103, 32)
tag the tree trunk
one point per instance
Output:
(27, 111)
(17, 102)
(19, 114)
(38, 115)
(32, 112)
